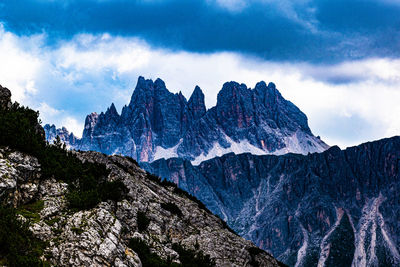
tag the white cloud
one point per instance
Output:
(346, 104)
(19, 63)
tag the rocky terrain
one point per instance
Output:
(159, 124)
(100, 236)
(124, 217)
(336, 208)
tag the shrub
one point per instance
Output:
(148, 258)
(171, 207)
(142, 221)
(18, 246)
(177, 190)
(81, 200)
(31, 211)
(112, 190)
(191, 258)
(132, 161)
(17, 129)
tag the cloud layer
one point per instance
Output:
(346, 103)
(279, 30)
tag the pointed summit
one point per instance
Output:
(112, 111)
(159, 84)
(196, 105)
(90, 123)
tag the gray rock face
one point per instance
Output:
(5, 98)
(336, 208)
(159, 124)
(19, 176)
(99, 236)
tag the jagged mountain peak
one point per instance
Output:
(197, 95)
(160, 124)
(112, 111)
(196, 104)
(159, 84)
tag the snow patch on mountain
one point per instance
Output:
(300, 143)
(166, 153)
(217, 150)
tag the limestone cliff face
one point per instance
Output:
(159, 124)
(100, 236)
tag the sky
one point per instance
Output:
(338, 61)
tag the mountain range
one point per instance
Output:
(336, 208)
(253, 160)
(159, 124)
(71, 208)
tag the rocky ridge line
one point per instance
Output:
(159, 124)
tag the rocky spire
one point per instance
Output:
(90, 123)
(111, 113)
(5, 98)
(196, 103)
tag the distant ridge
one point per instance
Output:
(336, 208)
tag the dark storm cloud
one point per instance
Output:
(315, 31)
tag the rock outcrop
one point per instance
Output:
(100, 236)
(5, 98)
(159, 124)
(336, 208)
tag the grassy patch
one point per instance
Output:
(18, 246)
(77, 230)
(52, 221)
(31, 211)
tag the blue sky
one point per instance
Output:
(337, 60)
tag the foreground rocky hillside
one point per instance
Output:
(336, 208)
(65, 208)
(159, 124)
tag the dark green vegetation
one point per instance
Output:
(254, 251)
(177, 190)
(191, 258)
(171, 207)
(87, 181)
(142, 221)
(31, 210)
(17, 129)
(187, 257)
(148, 258)
(18, 247)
